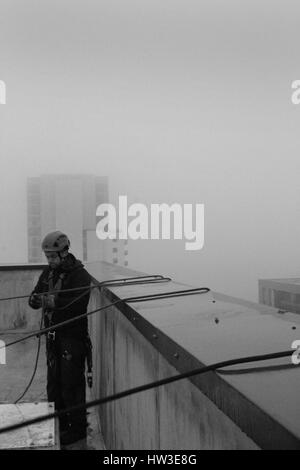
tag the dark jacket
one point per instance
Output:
(74, 275)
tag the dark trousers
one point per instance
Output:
(66, 379)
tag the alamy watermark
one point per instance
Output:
(188, 222)
(2, 92)
(296, 94)
(296, 354)
(2, 353)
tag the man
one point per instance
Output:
(68, 346)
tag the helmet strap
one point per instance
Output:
(63, 254)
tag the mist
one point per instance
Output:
(176, 102)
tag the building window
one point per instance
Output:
(34, 252)
(34, 210)
(34, 231)
(35, 241)
(33, 220)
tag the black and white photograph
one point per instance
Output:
(149, 227)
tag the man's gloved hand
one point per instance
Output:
(35, 301)
(49, 301)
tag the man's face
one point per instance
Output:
(53, 259)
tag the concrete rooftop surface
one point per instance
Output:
(16, 374)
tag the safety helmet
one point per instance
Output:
(55, 241)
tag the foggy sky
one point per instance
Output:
(176, 101)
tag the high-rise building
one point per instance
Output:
(283, 294)
(116, 250)
(67, 203)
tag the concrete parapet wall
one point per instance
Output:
(248, 406)
(175, 416)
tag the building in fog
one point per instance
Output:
(281, 293)
(116, 251)
(67, 203)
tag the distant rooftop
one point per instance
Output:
(291, 280)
